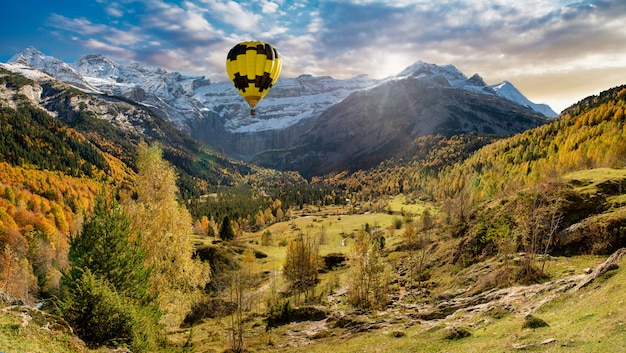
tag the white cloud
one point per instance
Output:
(499, 39)
(168, 17)
(234, 14)
(114, 10)
(102, 47)
(269, 7)
(316, 23)
(78, 25)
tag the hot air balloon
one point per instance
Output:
(253, 67)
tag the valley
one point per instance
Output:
(446, 219)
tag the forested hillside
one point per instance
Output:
(587, 136)
(409, 172)
(504, 195)
(38, 212)
(59, 147)
(116, 126)
(49, 175)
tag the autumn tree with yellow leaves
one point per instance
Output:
(166, 230)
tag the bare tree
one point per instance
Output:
(427, 223)
(539, 218)
(241, 294)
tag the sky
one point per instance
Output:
(554, 51)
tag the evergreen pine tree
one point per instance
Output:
(104, 295)
(226, 230)
(104, 248)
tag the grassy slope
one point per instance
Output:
(16, 337)
(590, 320)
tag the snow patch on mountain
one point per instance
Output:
(290, 101)
(26, 71)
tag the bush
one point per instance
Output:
(278, 314)
(266, 238)
(457, 332)
(210, 308)
(282, 313)
(100, 316)
(531, 321)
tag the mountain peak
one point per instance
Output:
(96, 65)
(413, 68)
(52, 66)
(507, 90)
(422, 67)
(476, 80)
(445, 75)
(504, 85)
(28, 56)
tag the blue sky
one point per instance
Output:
(554, 51)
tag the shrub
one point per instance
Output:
(531, 321)
(266, 238)
(278, 314)
(101, 316)
(456, 333)
(282, 313)
(210, 308)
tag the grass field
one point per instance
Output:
(337, 225)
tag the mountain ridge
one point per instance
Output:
(97, 70)
(116, 126)
(214, 114)
(395, 114)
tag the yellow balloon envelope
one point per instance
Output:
(253, 67)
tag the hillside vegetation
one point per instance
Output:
(593, 137)
(111, 126)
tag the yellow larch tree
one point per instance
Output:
(166, 230)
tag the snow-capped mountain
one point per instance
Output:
(169, 92)
(373, 124)
(450, 76)
(290, 101)
(505, 89)
(214, 112)
(53, 67)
